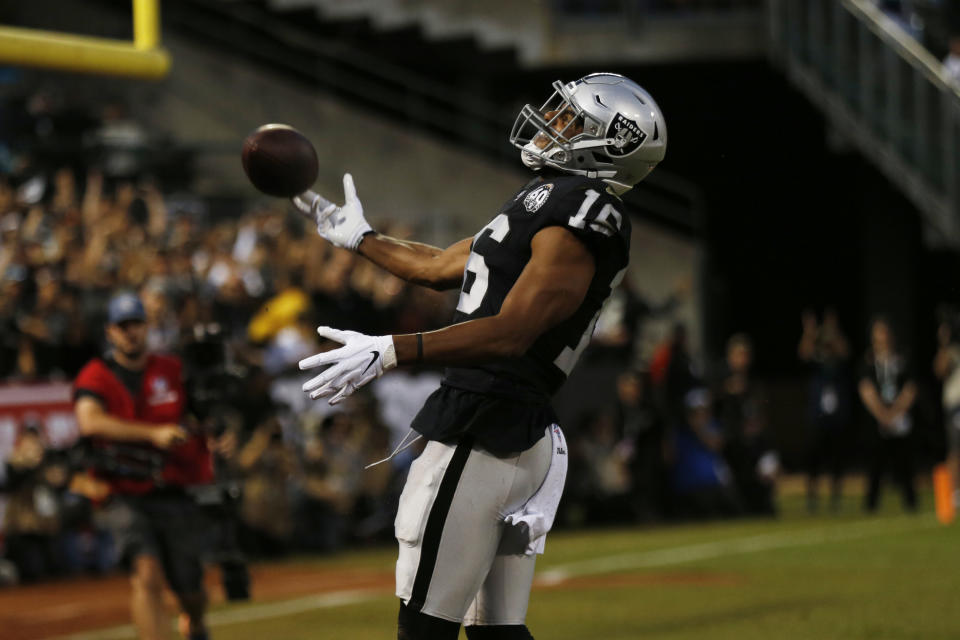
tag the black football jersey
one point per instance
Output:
(498, 255)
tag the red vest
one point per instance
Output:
(160, 400)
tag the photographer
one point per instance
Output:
(224, 399)
(130, 405)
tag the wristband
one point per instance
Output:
(353, 242)
(366, 233)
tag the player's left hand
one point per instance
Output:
(361, 359)
(343, 226)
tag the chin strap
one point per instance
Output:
(534, 158)
(605, 174)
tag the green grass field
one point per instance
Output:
(890, 576)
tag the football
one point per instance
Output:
(279, 160)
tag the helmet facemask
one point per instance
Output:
(601, 126)
(549, 135)
(560, 134)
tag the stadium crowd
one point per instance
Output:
(238, 298)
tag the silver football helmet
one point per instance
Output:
(603, 125)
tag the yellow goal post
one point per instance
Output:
(142, 58)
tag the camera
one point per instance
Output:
(214, 387)
(216, 391)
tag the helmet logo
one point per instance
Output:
(537, 197)
(626, 134)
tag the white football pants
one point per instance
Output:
(458, 561)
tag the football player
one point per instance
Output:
(531, 282)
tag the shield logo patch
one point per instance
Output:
(626, 134)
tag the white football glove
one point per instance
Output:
(344, 226)
(361, 359)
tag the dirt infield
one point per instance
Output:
(72, 606)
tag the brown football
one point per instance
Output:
(279, 160)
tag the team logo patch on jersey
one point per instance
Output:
(537, 197)
(627, 136)
(160, 392)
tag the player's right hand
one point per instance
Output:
(343, 226)
(360, 360)
(167, 436)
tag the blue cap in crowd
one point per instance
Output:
(123, 307)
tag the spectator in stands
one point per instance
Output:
(12, 343)
(163, 329)
(121, 141)
(641, 430)
(621, 322)
(825, 351)
(946, 366)
(378, 493)
(78, 344)
(604, 460)
(10, 249)
(32, 521)
(904, 13)
(617, 340)
(952, 62)
(339, 498)
(741, 408)
(888, 392)
(269, 468)
(45, 325)
(335, 301)
(701, 481)
(674, 373)
(331, 476)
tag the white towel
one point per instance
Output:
(538, 512)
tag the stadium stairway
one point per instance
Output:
(556, 33)
(883, 93)
(350, 58)
(493, 24)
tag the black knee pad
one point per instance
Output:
(499, 632)
(413, 625)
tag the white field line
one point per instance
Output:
(248, 613)
(599, 565)
(734, 546)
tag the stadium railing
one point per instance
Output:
(882, 90)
